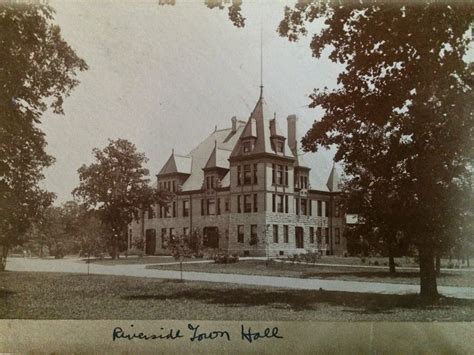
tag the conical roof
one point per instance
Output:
(176, 164)
(333, 180)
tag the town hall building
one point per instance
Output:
(247, 190)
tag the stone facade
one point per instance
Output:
(247, 190)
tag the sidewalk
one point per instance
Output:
(139, 270)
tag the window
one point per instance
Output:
(255, 202)
(273, 174)
(279, 147)
(275, 233)
(286, 175)
(160, 208)
(247, 204)
(174, 208)
(285, 234)
(337, 210)
(167, 211)
(286, 203)
(239, 209)
(304, 206)
(247, 147)
(255, 168)
(218, 205)
(320, 208)
(303, 182)
(326, 212)
(337, 236)
(202, 207)
(247, 175)
(318, 234)
(273, 202)
(311, 235)
(151, 213)
(310, 207)
(226, 205)
(185, 208)
(163, 238)
(327, 235)
(211, 207)
(253, 234)
(185, 231)
(297, 204)
(280, 175)
(280, 204)
(174, 186)
(240, 234)
(239, 175)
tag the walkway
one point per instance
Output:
(139, 270)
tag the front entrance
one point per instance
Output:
(299, 237)
(211, 237)
(150, 241)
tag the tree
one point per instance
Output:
(403, 102)
(116, 184)
(37, 68)
(185, 246)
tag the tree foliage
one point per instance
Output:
(117, 185)
(401, 116)
(38, 69)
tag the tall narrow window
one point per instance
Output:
(240, 233)
(327, 235)
(211, 207)
(285, 233)
(286, 203)
(255, 180)
(239, 208)
(280, 204)
(286, 175)
(273, 174)
(163, 238)
(253, 234)
(174, 186)
(202, 208)
(151, 213)
(247, 204)
(185, 208)
(311, 235)
(218, 206)
(297, 205)
(247, 175)
(275, 233)
(337, 236)
(310, 207)
(174, 208)
(318, 234)
(337, 210)
(280, 175)
(255, 202)
(273, 202)
(239, 173)
(303, 207)
(326, 212)
(320, 208)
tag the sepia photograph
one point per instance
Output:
(256, 172)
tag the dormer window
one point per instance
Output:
(247, 147)
(279, 147)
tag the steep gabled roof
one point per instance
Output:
(333, 180)
(219, 158)
(260, 125)
(177, 164)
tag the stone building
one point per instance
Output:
(247, 190)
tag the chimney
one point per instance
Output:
(234, 124)
(292, 120)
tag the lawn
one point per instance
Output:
(274, 268)
(135, 260)
(29, 295)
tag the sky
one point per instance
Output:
(164, 77)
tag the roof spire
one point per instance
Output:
(172, 151)
(261, 59)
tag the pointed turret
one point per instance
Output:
(333, 180)
(176, 164)
(218, 159)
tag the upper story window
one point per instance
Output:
(320, 208)
(337, 210)
(210, 182)
(279, 174)
(247, 147)
(247, 175)
(185, 208)
(279, 147)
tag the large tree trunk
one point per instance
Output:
(428, 287)
(438, 264)
(391, 259)
(3, 257)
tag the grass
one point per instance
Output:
(136, 260)
(28, 295)
(273, 268)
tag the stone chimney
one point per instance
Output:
(234, 124)
(292, 121)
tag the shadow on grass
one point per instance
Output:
(300, 300)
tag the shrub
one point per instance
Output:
(376, 263)
(362, 260)
(225, 258)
